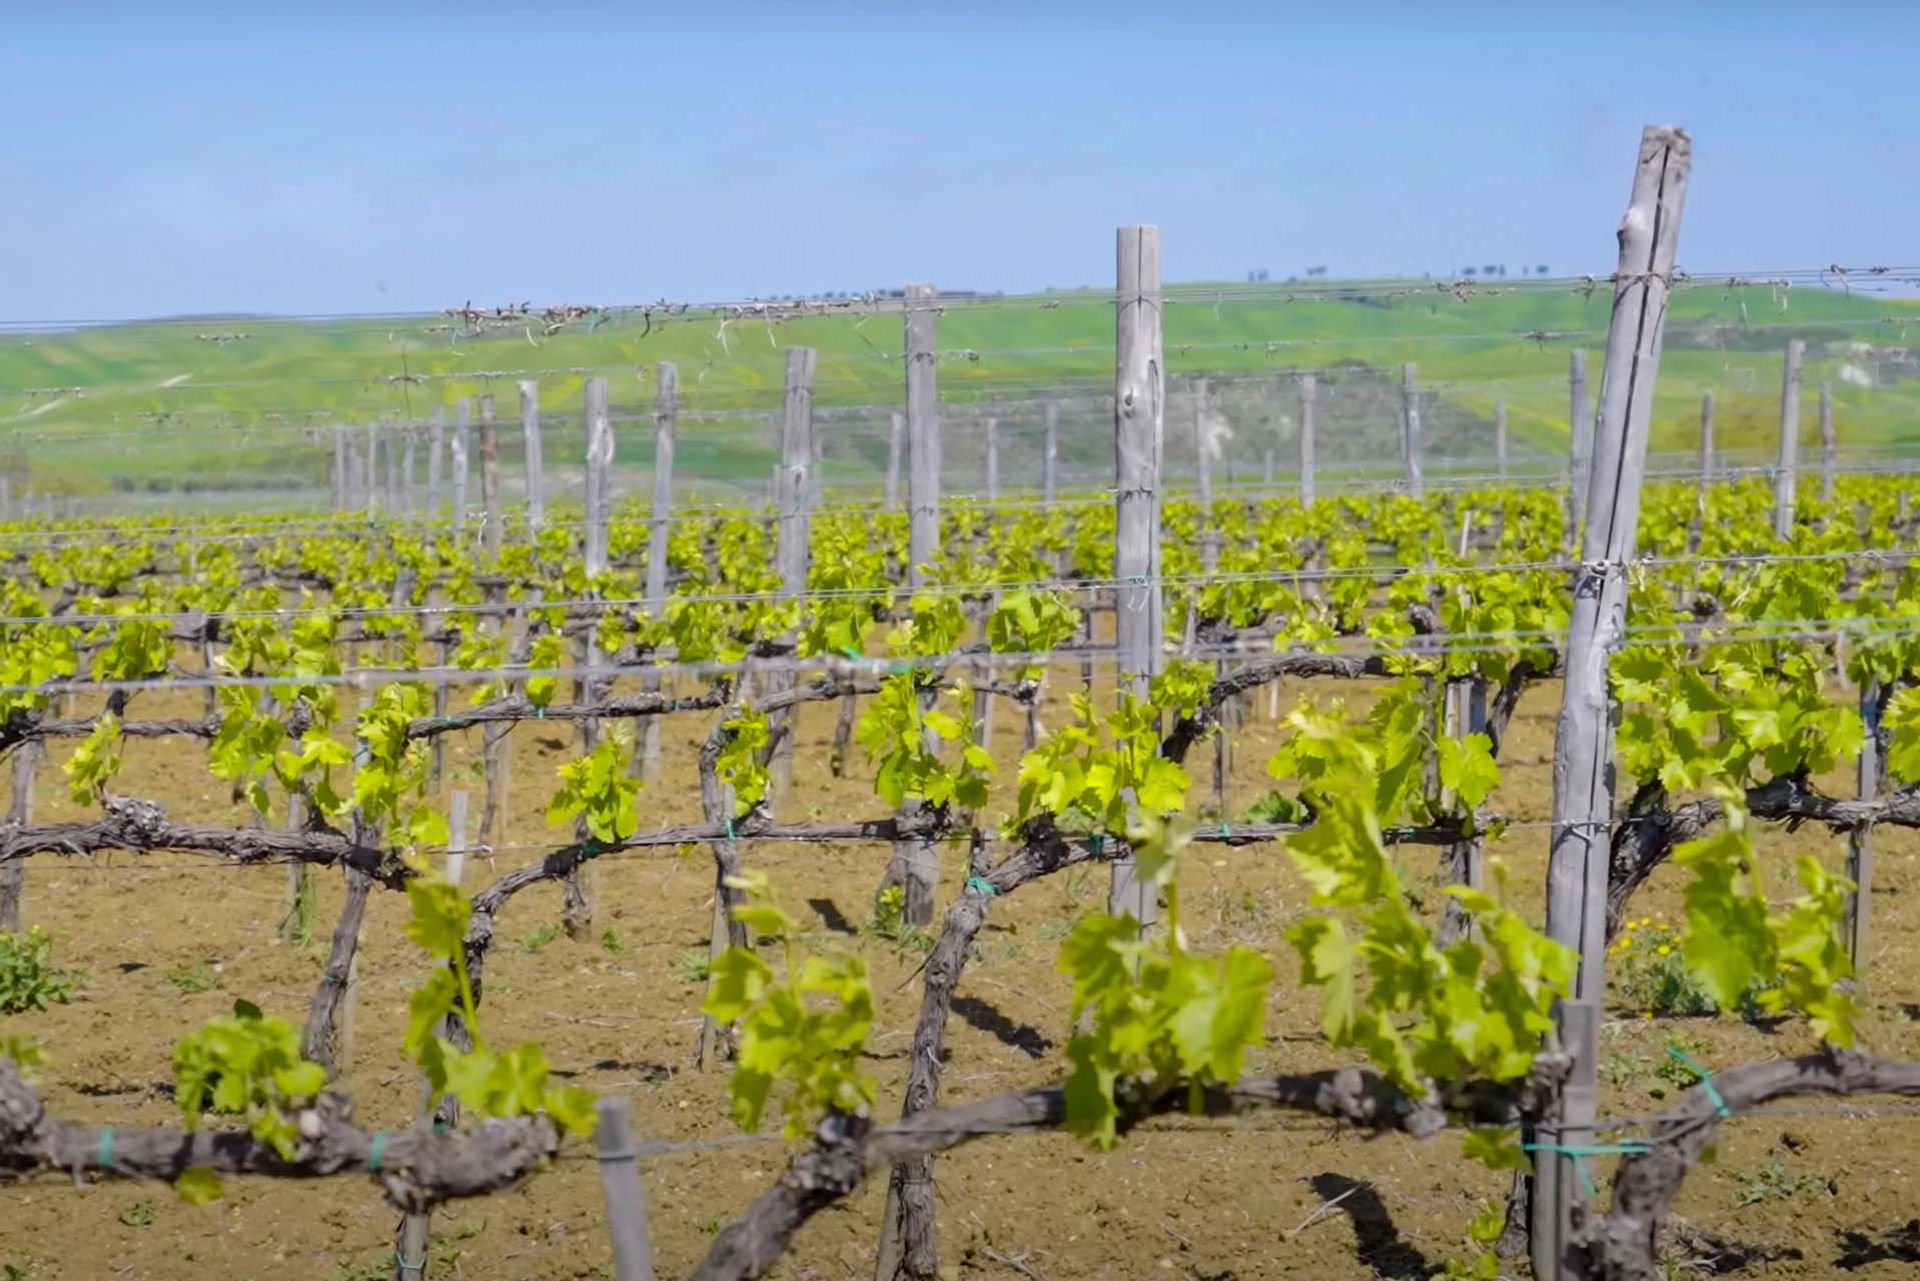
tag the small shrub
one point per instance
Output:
(1651, 975)
(194, 979)
(610, 942)
(541, 937)
(691, 966)
(28, 979)
(1773, 1182)
(889, 921)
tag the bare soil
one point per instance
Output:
(1184, 1199)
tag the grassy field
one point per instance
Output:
(158, 405)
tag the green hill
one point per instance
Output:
(237, 403)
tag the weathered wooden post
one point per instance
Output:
(436, 447)
(1583, 771)
(1139, 409)
(1500, 439)
(1309, 396)
(341, 482)
(531, 455)
(1050, 456)
(1706, 440)
(1828, 448)
(1580, 438)
(896, 426)
(665, 417)
(1870, 768)
(625, 1196)
(915, 863)
(19, 814)
(409, 439)
(1410, 429)
(490, 503)
(462, 438)
(792, 501)
(993, 461)
(1783, 472)
(599, 461)
(370, 491)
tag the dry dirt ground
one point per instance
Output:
(1825, 1193)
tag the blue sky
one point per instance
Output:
(368, 157)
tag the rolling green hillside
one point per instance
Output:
(161, 404)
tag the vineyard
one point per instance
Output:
(1462, 865)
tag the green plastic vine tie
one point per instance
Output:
(416, 1266)
(981, 885)
(729, 827)
(1226, 833)
(1706, 1078)
(103, 1155)
(1580, 1151)
(376, 1149)
(1099, 843)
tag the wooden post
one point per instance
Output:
(1827, 447)
(436, 446)
(392, 433)
(408, 439)
(491, 519)
(1410, 429)
(1500, 439)
(1583, 769)
(1580, 434)
(792, 501)
(625, 1196)
(665, 417)
(993, 461)
(914, 865)
(1309, 393)
(370, 472)
(1139, 408)
(1203, 479)
(1783, 473)
(1860, 839)
(19, 814)
(599, 461)
(1706, 439)
(530, 455)
(1050, 456)
(462, 432)
(923, 433)
(896, 426)
(341, 481)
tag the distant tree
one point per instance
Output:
(1466, 271)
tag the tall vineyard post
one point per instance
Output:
(1828, 446)
(1579, 441)
(13, 873)
(492, 520)
(896, 429)
(1309, 394)
(625, 1195)
(1583, 777)
(462, 441)
(1410, 429)
(914, 865)
(1139, 409)
(665, 418)
(1784, 469)
(793, 501)
(1500, 439)
(531, 459)
(436, 453)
